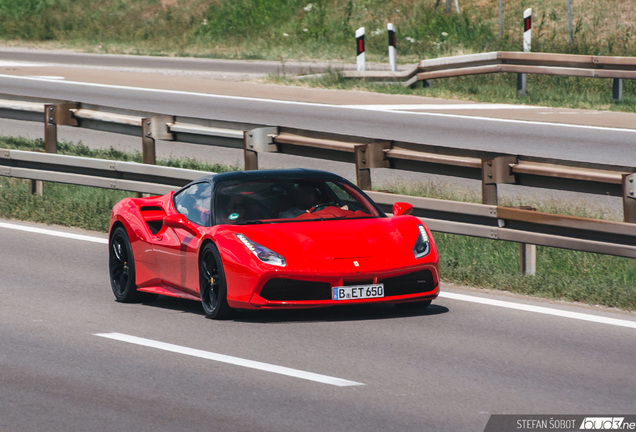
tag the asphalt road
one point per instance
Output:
(260, 67)
(559, 134)
(445, 369)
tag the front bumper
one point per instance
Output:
(301, 291)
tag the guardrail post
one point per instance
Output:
(629, 198)
(369, 156)
(363, 173)
(258, 140)
(152, 129)
(54, 114)
(617, 89)
(528, 259)
(495, 171)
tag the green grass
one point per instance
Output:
(294, 29)
(543, 90)
(323, 29)
(70, 205)
(561, 274)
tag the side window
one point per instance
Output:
(194, 203)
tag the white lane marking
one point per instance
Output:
(324, 379)
(311, 104)
(540, 310)
(54, 233)
(50, 77)
(462, 297)
(443, 107)
(9, 63)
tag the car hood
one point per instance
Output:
(338, 239)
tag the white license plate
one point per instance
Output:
(357, 292)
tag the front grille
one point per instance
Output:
(410, 283)
(357, 282)
(291, 290)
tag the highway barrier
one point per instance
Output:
(587, 66)
(488, 220)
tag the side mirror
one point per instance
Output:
(179, 221)
(402, 208)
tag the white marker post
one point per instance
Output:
(392, 54)
(527, 27)
(360, 49)
(528, 252)
(527, 34)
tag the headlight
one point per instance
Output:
(423, 245)
(262, 253)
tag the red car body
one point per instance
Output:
(332, 247)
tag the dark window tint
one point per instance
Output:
(194, 203)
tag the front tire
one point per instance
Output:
(213, 285)
(121, 263)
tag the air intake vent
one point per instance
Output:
(293, 290)
(410, 283)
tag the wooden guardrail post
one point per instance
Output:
(54, 114)
(255, 141)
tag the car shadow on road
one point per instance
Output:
(326, 314)
(337, 313)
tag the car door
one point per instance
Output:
(177, 248)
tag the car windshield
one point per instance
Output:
(289, 200)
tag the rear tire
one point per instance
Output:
(414, 305)
(213, 285)
(121, 264)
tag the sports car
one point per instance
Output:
(270, 239)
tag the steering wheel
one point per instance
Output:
(322, 206)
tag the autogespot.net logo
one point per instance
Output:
(606, 423)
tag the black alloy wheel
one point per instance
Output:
(212, 284)
(121, 265)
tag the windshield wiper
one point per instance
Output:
(251, 222)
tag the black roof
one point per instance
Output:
(296, 173)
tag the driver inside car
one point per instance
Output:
(306, 196)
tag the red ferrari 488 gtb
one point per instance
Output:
(270, 239)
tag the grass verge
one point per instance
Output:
(561, 274)
(543, 90)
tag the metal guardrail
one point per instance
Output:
(519, 225)
(512, 62)
(481, 220)
(477, 220)
(102, 173)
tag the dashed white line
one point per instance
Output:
(540, 310)
(53, 233)
(48, 77)
(266, 367)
